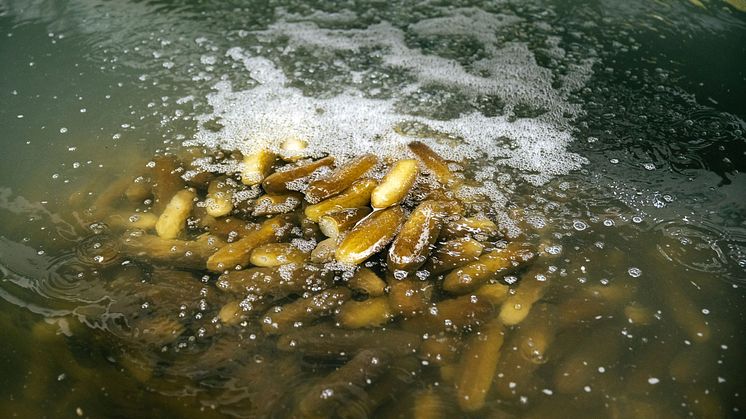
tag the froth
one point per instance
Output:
(352, 122)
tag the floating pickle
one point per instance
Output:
(282, 319)
(124, 220)
(478, 366)
(293, 149)
(453, 254)
(335, 223)
(346, 384)
(219, 200)
(281, 182)
(324, 251)
(357, 195)
(433, 162)
(327, 341)
(478, 227)
(395, 185)
(369, 236)
(167, 181)
(276, 254)
(373, 312)
(238, 253)
(276, 282)
(340, 179)
(488, 266)
(366, 281)
(417, 235)
(172, 222)
(256, 166)
(173, 252)
(276, 204)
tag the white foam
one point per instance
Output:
(350, 123)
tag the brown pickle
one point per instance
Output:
(285, 181)
(238, 253)
(340, 179)
(370, 236)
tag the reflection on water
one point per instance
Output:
(611, 134)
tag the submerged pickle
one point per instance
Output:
(276, 204)
(478, 366)
(238, 253)
(487, 267)
(172, 221)
(219, 200)
(373, 312)
(302, 311)
(453, 254)
(276, 254)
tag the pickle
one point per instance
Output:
(684, 311)
(373, 312)
(478, 227)
(165, 173)
(344, 385)
(324, 251)
(276, 204)
(340, 179)
(515, 374)
(338, 222)
(488, 266)
(238, 253)
(440, 349)
(366, 281)
(537, 334)
(293, 149)
(284, 181)
(310, 230)
(452, 315)
(132, 220)
(649, 371)
(519, 304)
(453, 254)
(638, 314)
(255, 167)
(430, 404)
(410, 296)
(230, 228)
(107, 198)
(357, 195)
(395, 185)
(172, 221)
(694, 364)
(494, 293)
(326, 341)
(140, 189)
(302, 311)
(369, 236)
(412, 245)
(433, 162)
(230, 313)
(276, 254)
(478, 366)
(173, 252)
(219, 200)
(276, 282)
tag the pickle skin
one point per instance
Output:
(172, 222)
(276, 254)
(277, 183)
(219, 200)
(276, 204)
(453, 254)
(357, 195)
(285, 318)
(366, 281)
(370, 236)
(412, 245)
(338, 222)
(373, 312)
(488, 266)
(434, 163)
(478, 366)
(238, 253)
(340, 179)
(256, 166)
(395, 185)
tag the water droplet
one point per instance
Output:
(634, 272)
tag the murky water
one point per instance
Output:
(610, 134)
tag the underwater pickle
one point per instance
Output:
(219, 200)
(519, 303)
(477, 227)
(282, 319)
(369, 236)
(229, 228)
(276, 204)
(132, 220)
(276, 282)
(419, 232)
(537, 333)
(433, 162)
(190, 254)
(107, 198)
(440, 349)
(366, 281)
(430, 404)
(340, 179)
(230, 313)
(488, 266)
(238, 253)
(410, 296)
(276, 254)
(683, 310)
(277, 182)
(338, 222)
(451, 315)
(256, 166)
(344, 385)
(165, 172)
(328, 341)
(172, 221)
(357, 195)
(395, 185)
(453, 254)
(478, 365)
(373, 312)
(140, 189)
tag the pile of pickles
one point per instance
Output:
(363, 276)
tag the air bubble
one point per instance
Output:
(634, 272)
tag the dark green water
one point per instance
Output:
(617, 128)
